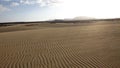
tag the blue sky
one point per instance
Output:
(37, 10)
(14, 10)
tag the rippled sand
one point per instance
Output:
(96, 45)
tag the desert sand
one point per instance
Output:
(92, 45)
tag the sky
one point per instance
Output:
(40, 10)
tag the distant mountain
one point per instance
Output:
(83, 18)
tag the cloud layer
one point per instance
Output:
(7, 0)
(3, 8)
(14, 4)
(40, 2)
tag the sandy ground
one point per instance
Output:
(96, 45)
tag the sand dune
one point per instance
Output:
(96, 45)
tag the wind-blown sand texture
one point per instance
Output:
(96, 45)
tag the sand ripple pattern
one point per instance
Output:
(70, 47)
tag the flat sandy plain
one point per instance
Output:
(90, 45)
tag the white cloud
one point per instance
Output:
(40, 2)
(14, 4)
(3, 8)
(26, 2)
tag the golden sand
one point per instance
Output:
(96, 45)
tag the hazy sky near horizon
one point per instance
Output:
(36, 10)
